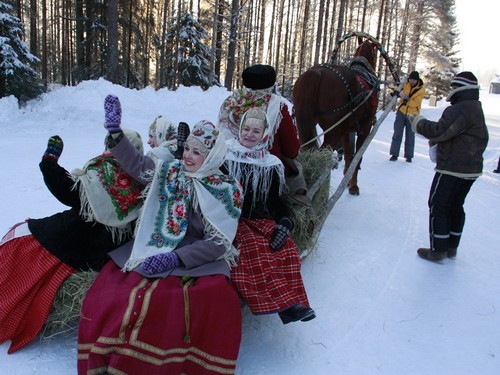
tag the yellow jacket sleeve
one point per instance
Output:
(414, 104)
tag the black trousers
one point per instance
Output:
(446, 210)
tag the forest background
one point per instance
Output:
(140, 43)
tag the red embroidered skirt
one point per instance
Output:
(269, 281)
(30, 277)
(136, 325)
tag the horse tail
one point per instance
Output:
(305, 93)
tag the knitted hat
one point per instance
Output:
(464, 79)
(259, 76)
(414, 75)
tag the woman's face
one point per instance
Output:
(251, 135)
(193, 156)
(152, 141)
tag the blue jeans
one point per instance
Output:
(402, 123)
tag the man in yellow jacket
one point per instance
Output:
(410, 101)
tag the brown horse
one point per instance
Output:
(325, 94)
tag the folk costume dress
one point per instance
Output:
(183, 321)
(36, 256)
(268, 281)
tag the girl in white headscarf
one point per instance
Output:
(36, 256)
(173, 308)
(268, 272)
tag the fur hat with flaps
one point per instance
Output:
(257, 77)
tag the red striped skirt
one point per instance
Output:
(30, 277)
(136, 325)
(269, 281)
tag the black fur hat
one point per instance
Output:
(259, 77)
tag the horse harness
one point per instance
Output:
(367, 80)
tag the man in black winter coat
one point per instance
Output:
(461, 137)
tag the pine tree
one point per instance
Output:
(439, 52)
(193, 58)
(17, 77)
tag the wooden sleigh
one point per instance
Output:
(317, 167)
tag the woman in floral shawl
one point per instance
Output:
(36, 256)
(164, 304)
(268, 272)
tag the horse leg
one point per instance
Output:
(348, 156)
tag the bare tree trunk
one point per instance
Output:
(415, 36)
(340, 23)
(319, 31)
(112, 61)
(44, 44)
(128, 56)
(162, 45)
(262, 26)
(214, 36)
(281, 10)
(363, 18)
(272, 36)
(231, 49)
(33, 28)
(219, 40)
(147, 48)
(80, 28)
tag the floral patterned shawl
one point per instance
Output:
(242, 100)
(173, 192)
(108, 194)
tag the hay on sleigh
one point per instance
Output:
(63, 319)
(316, 164)
(65, 313)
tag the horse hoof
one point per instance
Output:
(354, 191)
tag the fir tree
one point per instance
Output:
(193, 56)
(17, 77)
(440, 52)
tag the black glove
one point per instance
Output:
(281, 233)
(183, 132)
(54, 148)
(395, 93)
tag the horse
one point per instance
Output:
(342, 96)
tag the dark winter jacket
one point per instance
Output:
(461, 135)
(80, 244)
(275, 206)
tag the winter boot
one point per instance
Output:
(452, 252)
(295, 313)
(428, 254)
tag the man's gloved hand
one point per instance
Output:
(281, 233)
(54, 148)
(183, 132)
(112, 114)
(160, 263)
(414, 120)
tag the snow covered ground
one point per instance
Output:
(380, 308)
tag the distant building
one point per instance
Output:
(495, 85)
